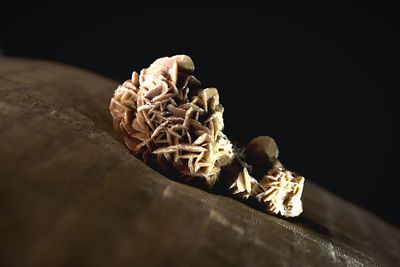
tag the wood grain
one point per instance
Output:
(72, 195)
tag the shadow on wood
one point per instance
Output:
(72, 195)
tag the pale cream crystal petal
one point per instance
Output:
(245, 185)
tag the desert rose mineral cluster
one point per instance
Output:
(169, 121)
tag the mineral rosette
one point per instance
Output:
(164, 117)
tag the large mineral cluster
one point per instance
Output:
(160, 120)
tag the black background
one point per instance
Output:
(319, 79)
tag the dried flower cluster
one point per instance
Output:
(160, 122)
(165, 119)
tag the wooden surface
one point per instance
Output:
(72, 195)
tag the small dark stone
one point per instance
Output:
(262, 153)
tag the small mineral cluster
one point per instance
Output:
(282, 192)
(168, 121)
(275, 187)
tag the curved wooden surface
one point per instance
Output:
(72, 195)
